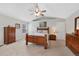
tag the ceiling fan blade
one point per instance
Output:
(43, 11)
(41, 14)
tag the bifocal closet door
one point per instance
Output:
(13, 31)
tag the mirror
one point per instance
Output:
(43, 24)
(77, 24)
(76, 29)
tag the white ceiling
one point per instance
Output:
(20, 10)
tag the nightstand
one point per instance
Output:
(52, 37)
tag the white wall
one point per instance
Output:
(56, 23)
(5, 21)
(1, 36)
(70, 22)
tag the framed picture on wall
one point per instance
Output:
(43, 24)
(17, 26)
(24, 28)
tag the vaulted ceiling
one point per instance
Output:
(21, 10)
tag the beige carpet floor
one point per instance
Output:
(56, 48)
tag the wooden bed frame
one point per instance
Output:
(39, 40)
(43, 29)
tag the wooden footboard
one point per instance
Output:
(39, 40)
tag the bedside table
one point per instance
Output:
(52, 37)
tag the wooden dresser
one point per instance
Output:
(72, 42)
(9, 35)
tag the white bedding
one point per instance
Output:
(37, 34)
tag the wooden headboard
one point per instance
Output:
(43, 28)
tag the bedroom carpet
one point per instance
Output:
(56, 48)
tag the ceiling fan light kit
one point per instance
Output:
(37, 11)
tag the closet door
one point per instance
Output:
(60, 31)
(6, 35)
(11, 34)
(13, 31)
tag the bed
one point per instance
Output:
(38, 38)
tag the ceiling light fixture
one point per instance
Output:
(37, 11)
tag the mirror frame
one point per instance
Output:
(76, 23)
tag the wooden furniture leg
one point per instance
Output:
(45, 42)
(26, 39)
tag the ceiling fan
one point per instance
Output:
(37, 11)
